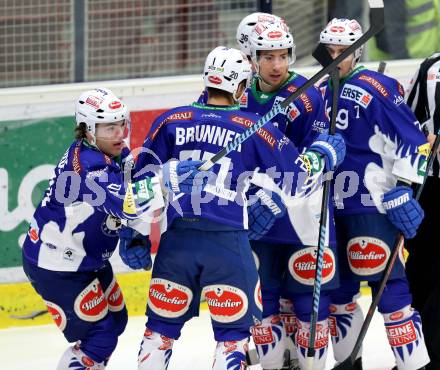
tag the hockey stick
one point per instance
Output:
(348, 363)
(325, 59)
(377, 23)
(382, 66)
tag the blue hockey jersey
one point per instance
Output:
(75, 227)
(198, 132)
(304, 119)
(383, 138)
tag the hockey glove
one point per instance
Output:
(134, 249)
(263, 213)
(184, 176)
(403, 210)
(332, 149)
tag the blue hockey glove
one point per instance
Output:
(134, 249)
(263, 213)
(403, 210)
(331, 147)
(184, 176)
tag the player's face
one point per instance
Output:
(346, 66)
(274, 67)
(110, 137)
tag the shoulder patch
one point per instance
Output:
(261, 132)
(375, 83)
(356, 94)
(177, 116)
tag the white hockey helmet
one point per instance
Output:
(225, 68)
(272, 36)
(246, 26)
(100, 105)
(341, 31)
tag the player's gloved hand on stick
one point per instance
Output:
(263, 213)
(331, 148)
(184, 176)
(134, 249)
(403, 210)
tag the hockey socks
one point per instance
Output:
(155, 351)
(345, 323)
(404, 331)
(270, 342)
(321, 344)
(75, 359)
(231, 355)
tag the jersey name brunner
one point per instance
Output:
(206, 133)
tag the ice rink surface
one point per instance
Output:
(40, 347)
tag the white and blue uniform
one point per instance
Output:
(384, 143)
(205, 249)
(73, 233)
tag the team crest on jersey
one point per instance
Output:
(302, 265)
(91, 304)
(356, 94)
(367, 255)
(169, 299)
(244, 100)
(57, 314)
(111, 225)
(114, 296)
(226, 303)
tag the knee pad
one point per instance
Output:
(75, 358)
(321, 344)
(345, 322)
(405, 336)
(231, 355)
(395, 295)
(270, 341)
(155, 351)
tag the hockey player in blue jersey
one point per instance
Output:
(386, 152)
(205, 249)
(74, 230)
(285, 246)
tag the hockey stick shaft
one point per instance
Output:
(382, 66)
(377, 23)
(324, 59)
(348, 363)
(334, 76)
